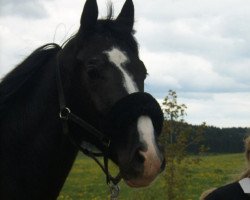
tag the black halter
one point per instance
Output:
(126, 111)
(66, 115)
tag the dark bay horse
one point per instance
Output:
(100, 77)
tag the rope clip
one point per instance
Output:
(114, 191)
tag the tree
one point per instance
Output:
(177, 137)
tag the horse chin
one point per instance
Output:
(139, 183)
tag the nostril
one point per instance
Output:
(142, 147)
(163, 164)
(139, 157)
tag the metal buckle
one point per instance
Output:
(106, 142)
(64, 113)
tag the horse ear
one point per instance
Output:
(126, 15)
(89, 15)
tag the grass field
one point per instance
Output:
(86, 181)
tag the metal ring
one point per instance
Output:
(114, 191)
(64, 113)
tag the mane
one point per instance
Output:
(16, 80)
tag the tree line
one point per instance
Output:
(220, 140)
(198, 138)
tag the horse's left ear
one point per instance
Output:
(89, 15)
(126, 15)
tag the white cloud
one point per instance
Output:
(25, 8)
(188, 73)
(223, 109)
(220, 109)
(199, 48)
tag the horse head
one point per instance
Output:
(107, 90)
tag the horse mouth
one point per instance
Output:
(140, 179)
(136, 185)
(140, 182)
(143, 177)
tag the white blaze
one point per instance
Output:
(152, 161)
(146, 132)
(119, 59)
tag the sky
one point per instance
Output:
(200, 49)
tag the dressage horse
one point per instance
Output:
(90, 90)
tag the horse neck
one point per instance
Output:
(35, 156)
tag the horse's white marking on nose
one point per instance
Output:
(119, 59)
(152, 161)
(146, 132)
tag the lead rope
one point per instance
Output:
(65, 114)
(112, 182)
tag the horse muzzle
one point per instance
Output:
(136, 122)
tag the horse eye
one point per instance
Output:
(93, 72)
(95, 61)
(93, 66)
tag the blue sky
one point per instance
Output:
(201, 49)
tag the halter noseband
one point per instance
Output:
(66, 115)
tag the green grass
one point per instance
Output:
(86, 180)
